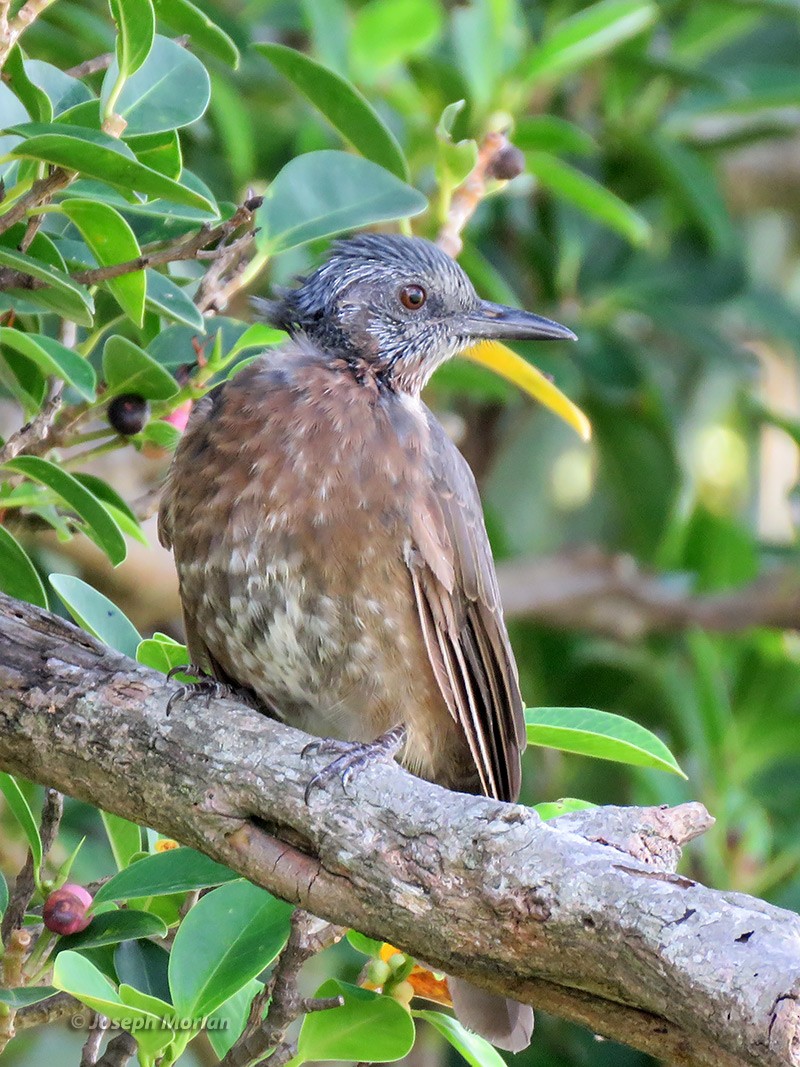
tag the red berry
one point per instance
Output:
(65, 909)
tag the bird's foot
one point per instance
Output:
(353, 756)
(206, 685)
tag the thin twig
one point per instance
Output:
(33, 438)
(104, 61)
(91, 1049)
(119, 1051)
(308, 936)
(212, 294)
(13, 28)
(25, 884)
(59, 1006)
(469, 194)
(39, 193)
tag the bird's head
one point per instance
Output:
(400, 305)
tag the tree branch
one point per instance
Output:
(580, 916)
(589, 589)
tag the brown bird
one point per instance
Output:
(329, 537)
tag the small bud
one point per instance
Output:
(128, 414)
(165, 844)
(508, 163)
(403, 992)
(396, 961)
(65, 909)
(378, 972)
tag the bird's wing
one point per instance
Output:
(462, 622)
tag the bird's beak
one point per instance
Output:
(496, 322)
(489, 323)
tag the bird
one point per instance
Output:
(329, 538)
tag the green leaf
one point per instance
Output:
(183, 17)
(224, 1025)
(593, 32)
(159, 151)
(18, 576)
(160, 433)
(553, 808)
(129, 369)
(592, 198)
(475, 1050)
(103, 491)
(171, 89)
(323, 193)
(259, 335)
(386, 32)
(99, 523)
(77, 975)
(111, 241)
(125, 838)
(25, 995)
(22, 813)
(63, 90)
(342, 104)
(52, 358)
(178, 871)
(162, 653)
(37, 102)
(96, 613)
(368, 1027)
(3, 894)
(549, 133)
(96, 155)
(60, 294)
(112, 927)
(143, 965)
(587, 732)
(168, 299)
(227, 938)
(136, 23)
(361, 943)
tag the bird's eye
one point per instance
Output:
(412, 297)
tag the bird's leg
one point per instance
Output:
(353, 756)
(206, 685)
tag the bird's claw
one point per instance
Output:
(205, 685)
(352, 756)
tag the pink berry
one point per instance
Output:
(65, 909)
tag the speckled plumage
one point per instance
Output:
(329, 537)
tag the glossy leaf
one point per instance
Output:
(111, 240)
(369, 1027)
(125, 838)
(96, 613)
(26, 995)
(171, 89)
(552, 809)
(129, 369)
(162, 653)
(37, 102)
(3, 894)
(185, 17)
(549, 133)
(136, 25)
(225, 1024)
(159, 151)
(177, 871)
(18, 576)
(587, 35)
(170, 300)
(64, 91)
(112, 927)
(342, 104)
(227, 938)
(52, 358)
(60, 293)
(475, 1049)
(588, 195)
(324, 193)
(20, 808)
(587, 732)
(143, 965)
(95, 155)
(100, 525)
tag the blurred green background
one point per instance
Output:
(653, 572)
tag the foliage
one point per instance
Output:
(631, 116)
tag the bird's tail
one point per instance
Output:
(505, 1023)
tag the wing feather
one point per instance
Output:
(458, 602)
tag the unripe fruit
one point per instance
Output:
(128, 414)
(378, 972)
(508, 163)
(65, 909)
(403, 992)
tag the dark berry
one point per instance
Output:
(508, 163)
(128, 414)
(65, 909)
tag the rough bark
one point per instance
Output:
(581, 916)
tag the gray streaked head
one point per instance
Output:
(400, 304)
